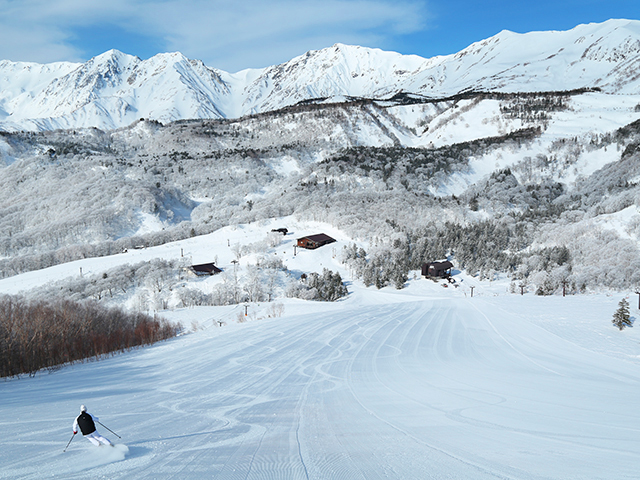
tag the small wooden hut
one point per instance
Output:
(315, 241)
(437, 269)
(204, 269)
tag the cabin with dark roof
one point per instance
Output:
(315, 241)
(204, 269)
(437, 269)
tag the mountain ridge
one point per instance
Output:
(114, 89)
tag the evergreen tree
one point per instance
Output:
(621, 318)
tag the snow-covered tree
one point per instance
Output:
(621, 317)
(327, 287)
(254, 287)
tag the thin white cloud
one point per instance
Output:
(40, 46)
(42, 31)
(272, 32)
(224, 34)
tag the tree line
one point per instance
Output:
(36, 335)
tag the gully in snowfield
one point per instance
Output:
(87, 424)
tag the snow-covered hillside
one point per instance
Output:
(539, 167)
(426, 382)
(114, 89)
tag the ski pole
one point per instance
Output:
(110, 430)
(65, 448)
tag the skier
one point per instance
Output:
(87, 425)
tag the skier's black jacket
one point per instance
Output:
(85, 422)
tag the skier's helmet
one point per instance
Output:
(83, 408)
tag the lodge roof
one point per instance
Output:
(319, 238)
(441, 265)
(205, 268)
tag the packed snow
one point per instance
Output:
(424, 382)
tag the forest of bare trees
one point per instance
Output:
(37, 335)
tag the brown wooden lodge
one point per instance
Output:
(437, 269)
(204, 269)
(315, 241)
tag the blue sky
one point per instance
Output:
(233, 35)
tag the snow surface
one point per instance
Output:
(424, 382)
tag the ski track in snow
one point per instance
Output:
(438, 388)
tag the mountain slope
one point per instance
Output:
(409, 386)
(605, 56)
(542, 170)
(114, 89)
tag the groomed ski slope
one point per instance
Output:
(417, 384)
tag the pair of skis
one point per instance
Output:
(65, 448)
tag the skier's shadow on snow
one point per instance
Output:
(137, 451)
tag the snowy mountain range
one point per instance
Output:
(114, 89)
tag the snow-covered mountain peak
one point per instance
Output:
(168, 58)
(358, 59)
(612, 34)
(335, 72)
(602, 55)
(113, 89)
(104, 70)
(114, 56)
